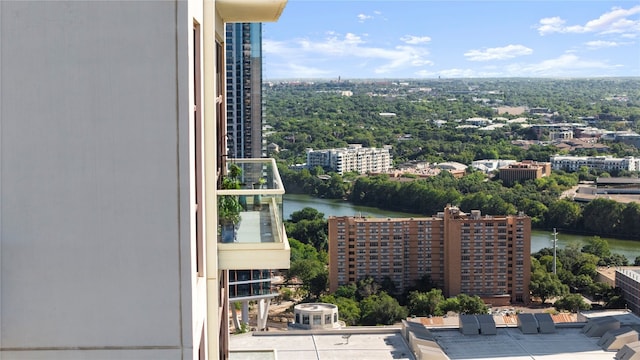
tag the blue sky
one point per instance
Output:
(358, 39)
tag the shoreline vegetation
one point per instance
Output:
(541, 200)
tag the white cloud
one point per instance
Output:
(452, 73)
(550, 25)
(498, 53)
(414, 40)
(364, 17)
(564, 65)
(614, 21)
(347, 49)
(402, 57)
(302, 72)
(599, 44)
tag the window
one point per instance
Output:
(305, 319)
(327, 319)
(317, 319)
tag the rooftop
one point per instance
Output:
(567, 341)
(511, 343)
(300, 345)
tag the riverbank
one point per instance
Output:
(539, 238)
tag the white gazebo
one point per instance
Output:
(316, 316)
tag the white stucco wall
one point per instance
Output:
(94, 183)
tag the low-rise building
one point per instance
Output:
(353, 158)
(524, 170)
(604, 163)
(628, 280)
(489, 165)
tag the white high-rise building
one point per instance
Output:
(111, 146)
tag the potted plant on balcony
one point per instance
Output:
(257, 199)
(229, 206)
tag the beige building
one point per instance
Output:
(524, 170)
(112, 145)
(402, 248)
(488, 256)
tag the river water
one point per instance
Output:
(539, 239)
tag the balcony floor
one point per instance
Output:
(248, 232)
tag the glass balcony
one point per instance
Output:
(250, 219)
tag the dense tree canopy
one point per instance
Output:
(319, 116)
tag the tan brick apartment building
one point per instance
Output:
(524, 170)
(473, 254)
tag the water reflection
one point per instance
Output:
(539, 239)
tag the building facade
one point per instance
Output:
(244, 140)
(628, 280)
(401, 248)
(472, 254)
(604, 163)
(524, 170)
(353, 158)
(244, 90)
(111, 144)
(488, 256)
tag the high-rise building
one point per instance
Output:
(112, 147)
(488, 256)
(244, 140)
(401, 248)
(244, 89)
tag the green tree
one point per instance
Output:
(302, 251)
(367, 287)
(450, 304)
(563, 214)
(347, 291)
(312, 274)
(572, 302)
(598, 247)
(630, 225)
(306, 213)
(381, 309)
(614, 260)
(471, 304)
(349, 308)
(424, 303)
(599, 291)
(309, 226)
(545, 285)
(602, 216)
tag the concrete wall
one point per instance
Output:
(94, 181)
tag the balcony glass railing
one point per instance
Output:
(253, 213)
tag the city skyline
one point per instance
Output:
(453, 39)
